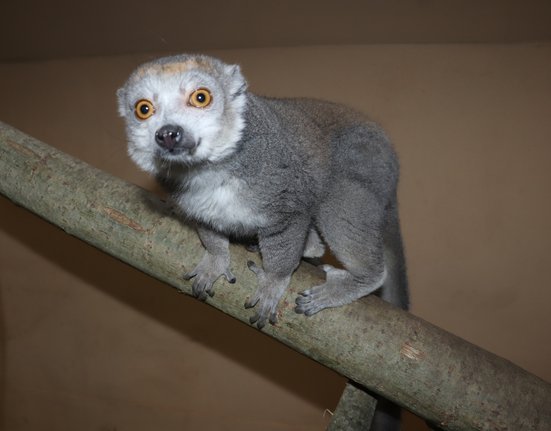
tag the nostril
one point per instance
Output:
(175, 135)
(169, 136)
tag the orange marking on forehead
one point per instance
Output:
(171, 68)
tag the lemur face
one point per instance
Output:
(182, 110)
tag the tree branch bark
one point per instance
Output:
(355, 410)
(433, 373)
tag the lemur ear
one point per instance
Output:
(121, 101)
(236, 82)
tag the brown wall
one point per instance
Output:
(88, 343)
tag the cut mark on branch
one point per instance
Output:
(21, 149)
(122, 219)
(411, 352)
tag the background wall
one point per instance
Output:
(88, 343)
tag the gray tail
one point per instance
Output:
(395, 291)
(395, 288)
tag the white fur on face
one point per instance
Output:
(216, 128)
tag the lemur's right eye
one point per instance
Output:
(144, 109)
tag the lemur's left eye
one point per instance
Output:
(200, 98)
(144, 109)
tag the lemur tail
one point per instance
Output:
(395, 288)
(395, 291)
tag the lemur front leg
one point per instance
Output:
(215, 263)
(281, 253)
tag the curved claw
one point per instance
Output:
(205, 274)
(189, 275)
(202, 289)
(305, 303)
(260, 323)
(250, 303)
(260, 320)
(254, 267)
(267, 296)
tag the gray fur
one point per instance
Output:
(285, 171)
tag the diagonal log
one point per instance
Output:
(423, 368)
(355, 410)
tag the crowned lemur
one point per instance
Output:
(295, 174)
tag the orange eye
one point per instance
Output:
(200, 98)
(143, 109)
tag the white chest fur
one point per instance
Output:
(221, 201)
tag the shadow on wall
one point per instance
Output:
(201, 323)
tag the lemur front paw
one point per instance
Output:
(210, 268)
(266, 297)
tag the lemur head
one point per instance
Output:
(183, 109)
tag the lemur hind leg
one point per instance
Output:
(351, 223)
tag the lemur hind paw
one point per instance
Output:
(326, 295)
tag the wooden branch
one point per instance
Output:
(405, 359)
(355, 410)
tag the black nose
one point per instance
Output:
(169, 136)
